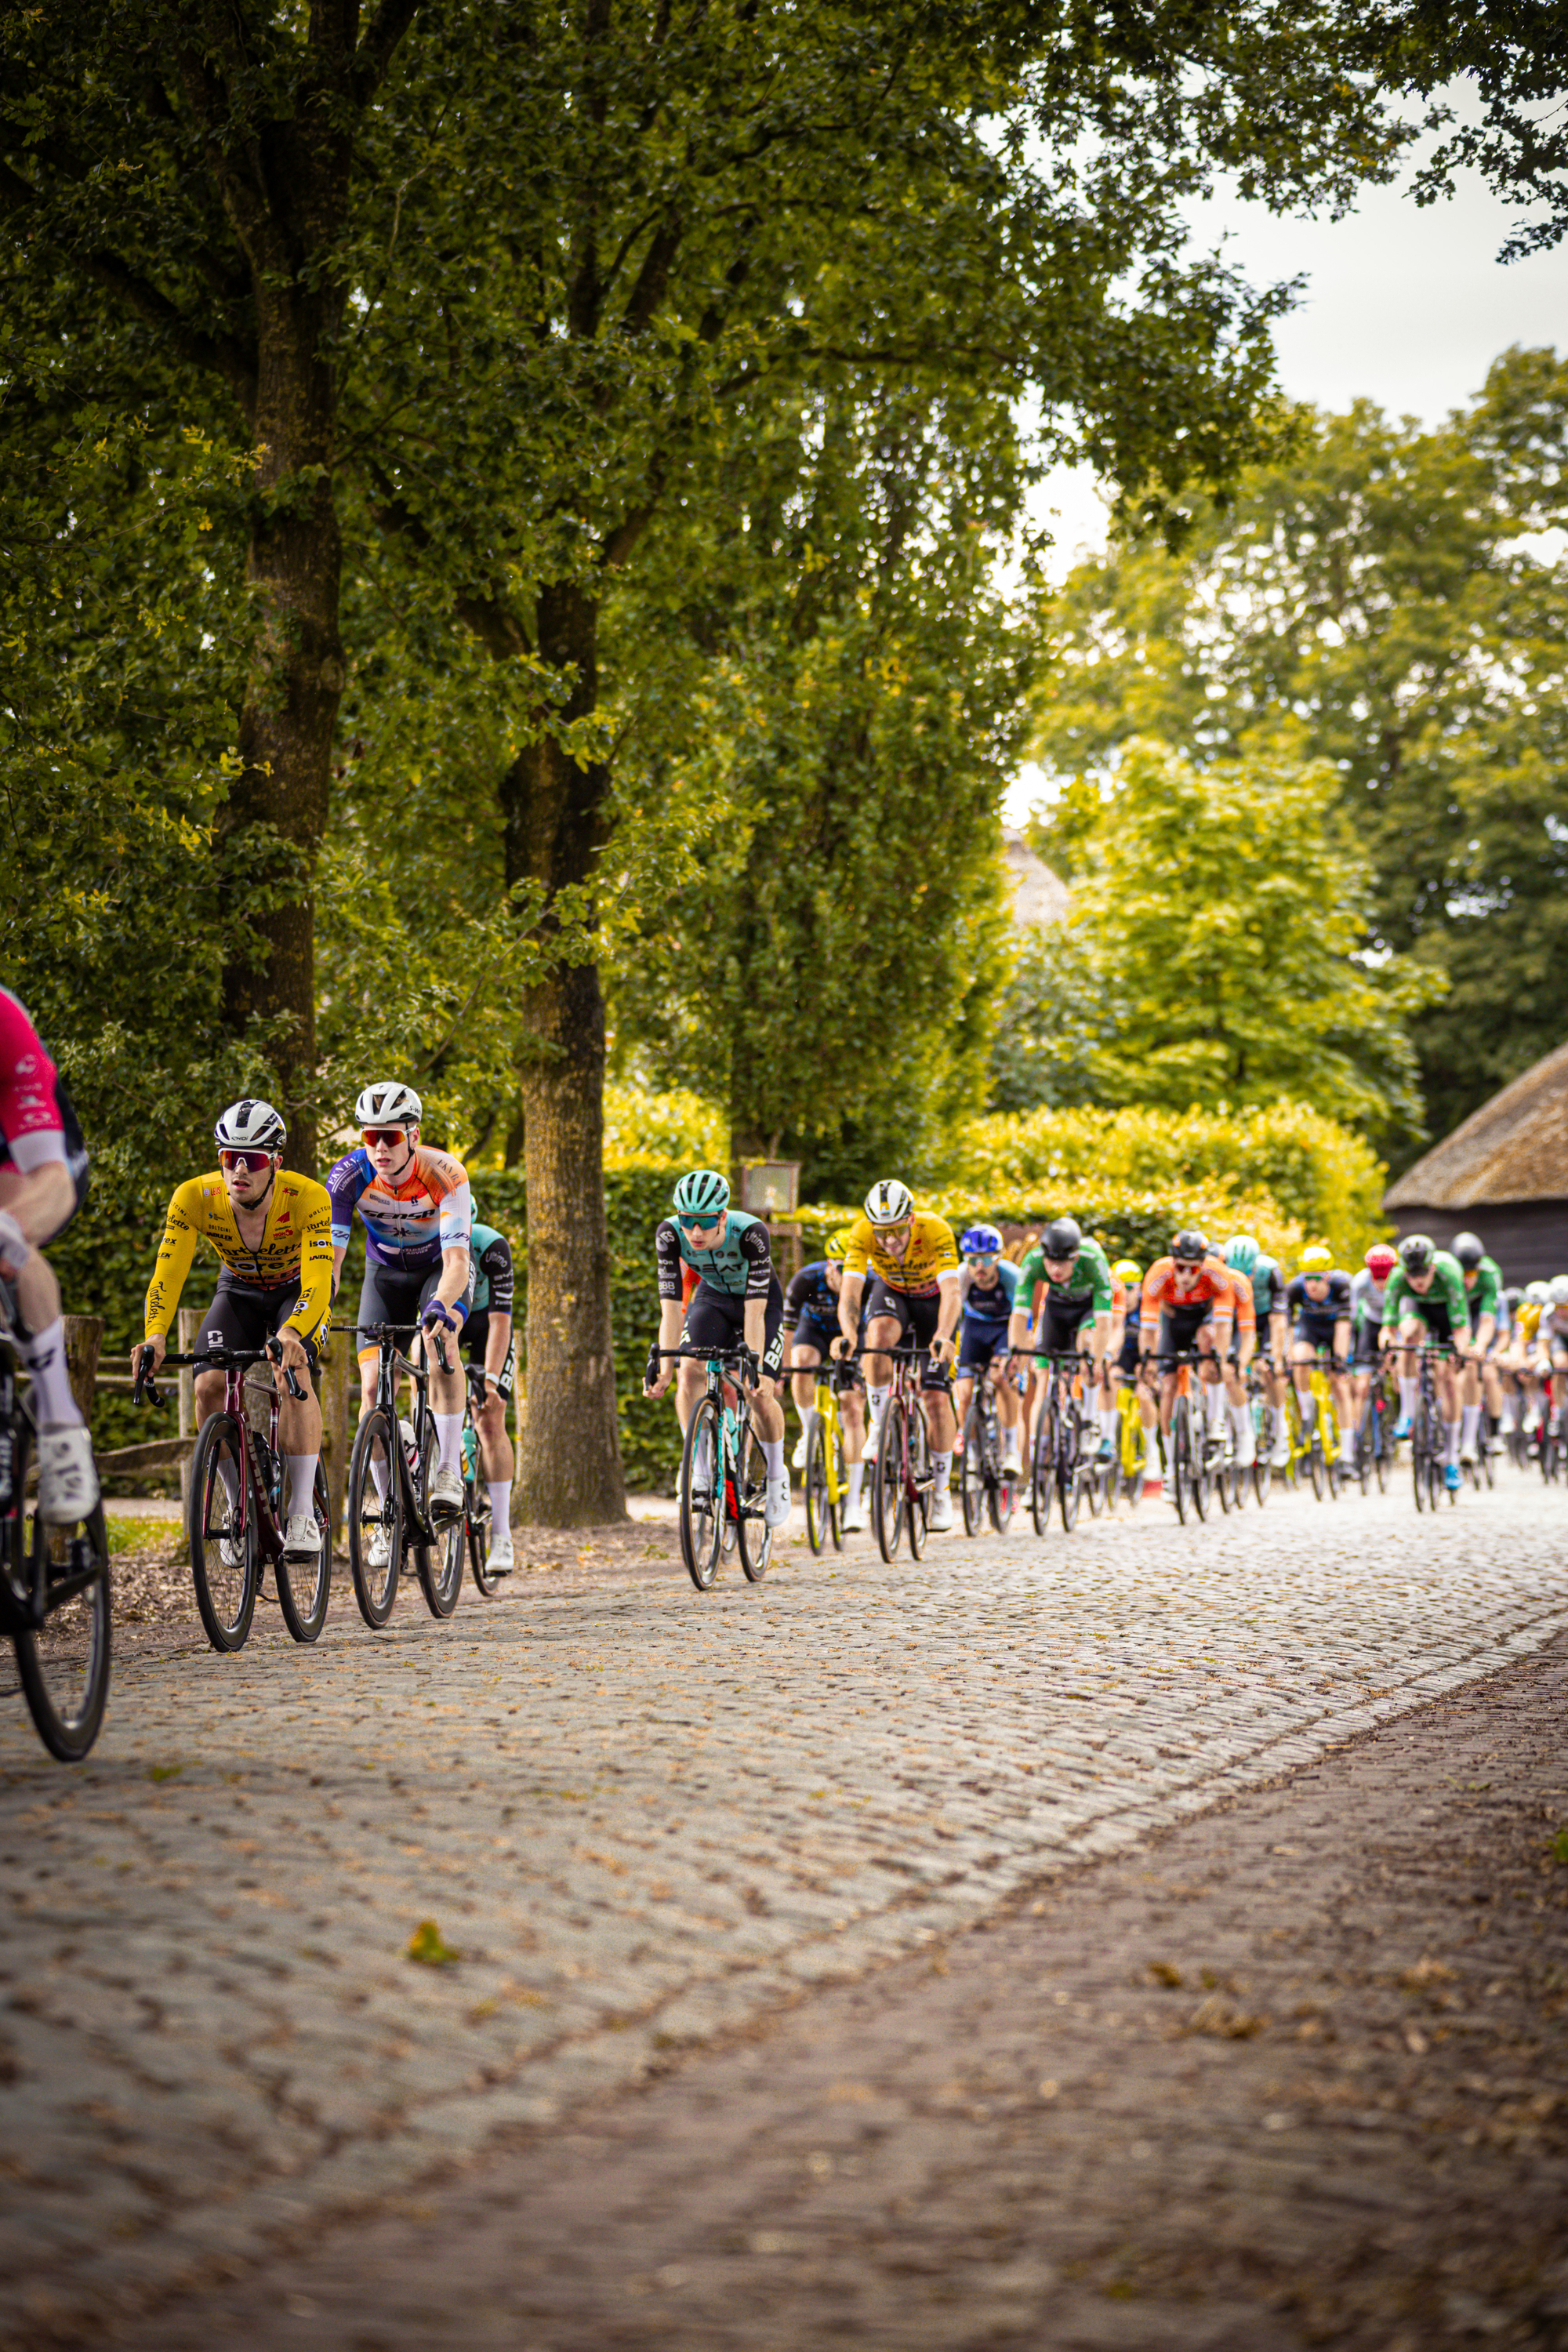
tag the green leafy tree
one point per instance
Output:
(1383, 600)
(1220, 904)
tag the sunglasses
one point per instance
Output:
(390, 1135)
(255, 1160)
(696, 1224)
(982, 1258)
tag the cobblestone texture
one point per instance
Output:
(640, 1817)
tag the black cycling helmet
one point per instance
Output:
(1063, 1237)
(1190, 1247)
(1468, 1249)
(1416, 1253)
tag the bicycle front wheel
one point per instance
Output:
(375, 1515)
(225, 1543)
(63, 1663)
(972, 1471)
(837, 1486)
(1198, 1471)
(305, 1586)
(887, 1491)
(438, 1564)
(1070, 1474)
(817, 1513)
(1180, 1462)
(751, 1488)
(919, 1487)
(702, 1494)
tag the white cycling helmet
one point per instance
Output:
(250, 1125)
(890, 1202)
(1538, 1293)
(1560, 1290)
(388, 1103)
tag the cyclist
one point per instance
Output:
(43, 1183)
(913, 1294)
(1070, 1277)
(1124, 1362)
(272, 1231)
(1483, 1287)
(1367, 1287)
(1426, 1301)
(414, 1205)
(1265, 1279)
(986, 1287)
(1319, 1298)
(737, 1302)
(1189, 1301)
(490, 1346)
(1551, 1347)
(811, 1325)
(1521, 1358)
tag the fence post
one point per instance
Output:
(340, 1398)
(190, 1324)
(84, 1337)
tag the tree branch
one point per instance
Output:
(496, 628)
(372, 59)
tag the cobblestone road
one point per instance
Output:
(638, 1816)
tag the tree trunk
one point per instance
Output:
(271, 828)
(569, 1455)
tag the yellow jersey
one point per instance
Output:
(296, 1245)
(929, 1258)
(1527, 1314)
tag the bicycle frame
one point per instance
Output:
(1058, 1451)
(391, 1365)
(25, 1606)
(913, 1487)
(234, 1364)
(728, 1504)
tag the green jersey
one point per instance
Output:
(1447, 1294)
(1485, 1292)
(1089, 1276)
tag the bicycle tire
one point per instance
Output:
(1002, 1500)
(66, 1721)
(377, 1439)
(917, 1504)
(1263, 1436)
(438, 1564)
(756, 1536)
(837, 1488)
(1383, 1457)
(1043, 1482)
(1202, 1476)
(226, 1590)
(888, 1493)
(1180, 1462)
(815, 1489)
(1364, 1443)
(1315, 1463)
(702, 1494)
(479, 1527)
(305, 1587)
(1070, 1484)
(971, 1482)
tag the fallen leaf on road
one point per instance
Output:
(425, 1946)
(1164, 1973)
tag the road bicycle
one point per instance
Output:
(902, 1479)
(236, 1506)
(390, 1472)
(1191, 1465)
(1065, 1438)
(1264, 1432)
(54, 1581)
(1551, 1445)
(1374, 1447)
(1428, 1436)
(827, 1472)
(723, 1475)
(477, 1518)
(984, 1488)
(1319, 1447)
(1131, 1466)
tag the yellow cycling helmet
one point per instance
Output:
(1317, 1259)
(838, 1243)
(1126, 1269)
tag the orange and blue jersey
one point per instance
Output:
(407, 1226)
(1215, 1291)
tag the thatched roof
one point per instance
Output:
(1038, 895)
(1515, 1148)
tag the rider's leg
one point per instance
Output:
(802, 1388)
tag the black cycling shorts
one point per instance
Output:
(1433, 1313)
(1127, 1361)
(476, 1336)
(1062, 1320)
(717, 1319)
(918, 1315)
(978, 1343)
(389, 1294)
(810, 1333)
(244, 1315)
(1365, 1349)
(1180, 1326)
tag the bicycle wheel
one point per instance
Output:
(1264, 1433)
(63, 1663)
(1002, 1499)
(438, 1564)
(888, 1498)
(1315, 1461)
(225, 1549)
(1383, 1449)
(1182, 1463)
(756, 1536)
(837, 1486)
(1042, 1487)
(375, 1515)
(305, 1586)
(478, 1527)
(1069, 1471)
(917, 1504)
(817, 1513)
(1362, 1457)
(972, 1471)
(1202, 1477)
(702, 1494)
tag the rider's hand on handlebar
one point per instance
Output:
(657, 1375)
(152, 1351)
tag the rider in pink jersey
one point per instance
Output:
(43, 1178)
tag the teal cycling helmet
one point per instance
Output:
(704, 1193)
(1242, 1254)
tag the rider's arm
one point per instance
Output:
(1029, 1272)
(671, 1306)
(757, 1252)
(185, 1222)
(316, 1272)
(449, 1178)
(950, 1303)
(497, 1341)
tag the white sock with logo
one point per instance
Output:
(856, 1480)
(45, 1356)
(501, 1501)
(448, 1440)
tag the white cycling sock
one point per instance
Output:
(1455, 1432)
(1109, 1418)
(501, 1501)
(878, 1399)
(1217, 1403)
(1241, 1418)
(302, 1486)
(1506, 1418)
(1407, 1398)
(941, 1463)
(856, 1480)
(1309, 1404)
(773, 1454)
(380, 1475)
(1471, 1423)
(448, 1440)
(45, 1356)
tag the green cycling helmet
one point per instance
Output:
(1242, 1254)
(703, 1193)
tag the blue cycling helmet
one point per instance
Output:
(982, 1240)
(1242, 1254)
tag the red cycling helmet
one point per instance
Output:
(1380, 1261)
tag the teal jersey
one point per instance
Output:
(740, 1265)
(1091, 1274)
(487, 1258)
(1447, 1291)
